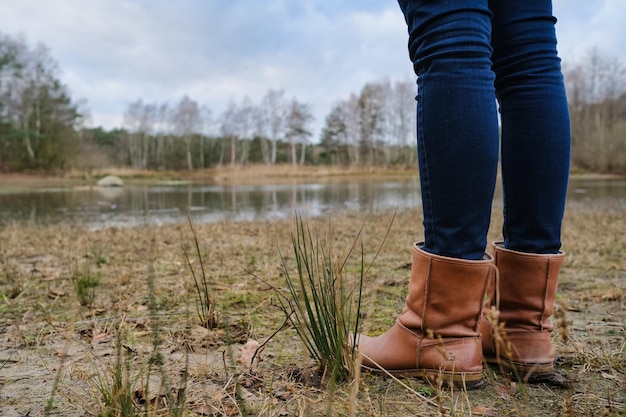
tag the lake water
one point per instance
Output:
(133, 205)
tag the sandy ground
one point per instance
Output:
(140, 337)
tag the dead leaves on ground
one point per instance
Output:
(614, 294)
(250, 353)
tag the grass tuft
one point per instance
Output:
(116, 385)
(324, 304)
(85, 282)
(205, 302)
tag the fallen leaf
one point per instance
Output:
(612, 295)
(506, 391)
(99, 337)
(611, 377)
(55, 293)
(248, 353)
(484, 411)
(231, 410)
(95, 312)
(202, 410)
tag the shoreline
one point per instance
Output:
(238, 175)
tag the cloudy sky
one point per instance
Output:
(113, 52)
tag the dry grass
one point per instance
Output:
(50, 344)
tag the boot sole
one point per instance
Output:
(466, 380)
(523, 371)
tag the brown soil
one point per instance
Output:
(60, 358)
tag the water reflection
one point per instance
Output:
(133, 205)
(593, 193)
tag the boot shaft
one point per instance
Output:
(528, 284)
(446, 295)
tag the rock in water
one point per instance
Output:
(110, 181)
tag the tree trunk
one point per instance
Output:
(303, 153)
(27, 142)
(294, 157)
(202, 163)
(188, 149)
(222, 145)
(265, 152)
(273, 160)
(233, 151)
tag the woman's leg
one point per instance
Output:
(535, 167)
(436, 335)
(457, 128)
(535, 124)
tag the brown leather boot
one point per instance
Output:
(521, 342)
(436, 335)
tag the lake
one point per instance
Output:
(134, 205)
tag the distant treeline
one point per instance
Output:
(43, 129)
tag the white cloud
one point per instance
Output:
(112, 52)
(585, 24)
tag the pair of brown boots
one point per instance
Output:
(458, 312)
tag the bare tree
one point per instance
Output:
(36, 105)
(334, 133)
(596, 93)
(372, 104)
(245, 123)
(162, 131)
(228, 129)
(206, 118)
(139, 122)
(353, 128)
(273, 107)
(187, 123)
(402, 115)
(299, 118)
(261, 131)
(376, 126)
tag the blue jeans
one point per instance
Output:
(467, 54)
